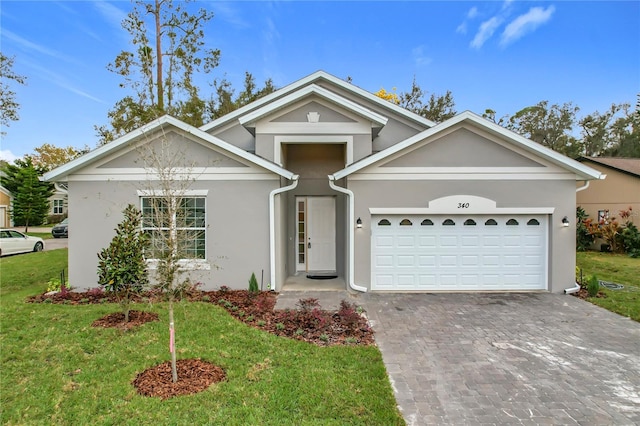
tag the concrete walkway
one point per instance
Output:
(507, 358)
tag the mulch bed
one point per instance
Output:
(584, 294)
(309, 323)
(116, 320)
(194, 375)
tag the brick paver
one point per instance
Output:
(507, 358)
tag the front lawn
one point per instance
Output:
(617, 268)
(57, 369)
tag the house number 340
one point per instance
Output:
(463, 205)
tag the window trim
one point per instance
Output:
(183, 263)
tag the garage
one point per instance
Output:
(453, 252)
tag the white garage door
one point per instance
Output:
(458, 253)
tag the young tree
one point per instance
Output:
(122, 269)
(30, 195)
(169, 50)
(173, 220)
(8, 104)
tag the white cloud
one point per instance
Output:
(227, 13)
(112, 14)
(462, 28)
(419, 56)
(486, 30)
(8, 156)
(525, 24)
(472, 13)
(28, 45)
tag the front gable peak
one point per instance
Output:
(319, 96)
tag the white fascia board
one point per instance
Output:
(581, 171)
(313, 89)
(100, 152)
(318, 75)
(427, 210)
(63, 171)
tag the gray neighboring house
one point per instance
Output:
(324, 177)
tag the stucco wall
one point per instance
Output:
(237, 228)
(618, 191)
(559, 195)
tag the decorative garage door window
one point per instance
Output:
(405, 222)
(453, 253)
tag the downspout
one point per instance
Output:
(583, 187)
(272, 227)
(352, 227)
(576, 287)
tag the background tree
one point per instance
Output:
(222, 101)
(8, 104)
(550, 126)
(625, 134)
(597, 130)
(122, 269)
(30, 195)
(161, 69)
(48, 157)
(436, 108)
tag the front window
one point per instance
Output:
(187, 219)
(58, 206)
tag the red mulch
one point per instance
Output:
(194, 375)
(116, 320)
(584, 294)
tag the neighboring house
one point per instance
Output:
(621, 189)
(5, 208)
(324, 177)
(58, 203)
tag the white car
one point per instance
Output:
(12, 242)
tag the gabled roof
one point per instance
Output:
(377, 120)
(65, 170)
(582, 171)
(629, 166)
(311, 79)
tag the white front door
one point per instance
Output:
(321, 234)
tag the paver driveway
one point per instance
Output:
(507, 358)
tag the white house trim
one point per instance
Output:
(313, 79)
(488, 175)
(581, 171)
(64, 171)
(251, 118)
(278, 141)
(162, 193)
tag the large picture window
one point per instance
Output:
(189, 223)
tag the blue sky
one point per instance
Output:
(503, 55)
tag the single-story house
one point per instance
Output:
(621, 190)
(324, 177)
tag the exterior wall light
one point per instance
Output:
(565, 221)
(359, 223)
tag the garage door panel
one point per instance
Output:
(490, 255)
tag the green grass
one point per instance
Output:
(617, 268)
(57, 369)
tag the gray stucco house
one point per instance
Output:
(322, 176)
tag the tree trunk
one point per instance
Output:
(172, 342)
(159, 81)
